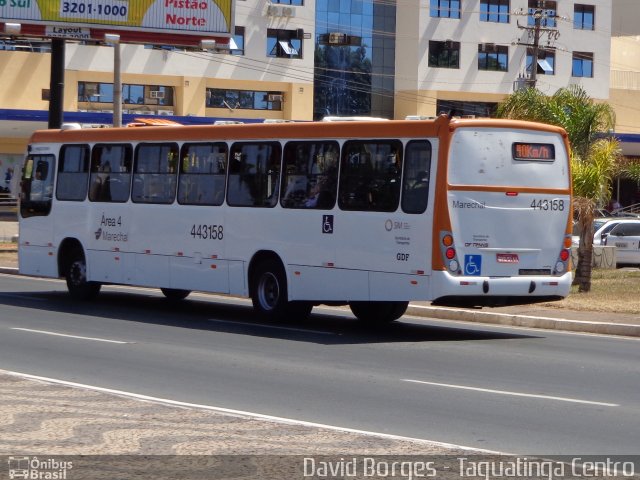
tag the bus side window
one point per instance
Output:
(254, 174)
(370, 175)
(110, 173)
(154, 178)
(73, 173)
(202, 173)
(37, 185)
(415, 185)
(310, 175)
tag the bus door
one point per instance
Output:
(36, 223)
(384, 232)
(508, 200)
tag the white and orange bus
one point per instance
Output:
(370, 214)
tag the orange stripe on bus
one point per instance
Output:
(508, 189)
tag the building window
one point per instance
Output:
(93, 92)
(284, 43)
(236, 43)
(444, 54)
(494, 11)
(545, 64)
(296, 3)
(548, 10)
(493, 57)
(460, 108)
(582, 64)
(244, 99)
(445, 8)
(584, 17)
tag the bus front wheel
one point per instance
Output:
(175, 293)
(269, 294)
(378, 312)
(76, 276)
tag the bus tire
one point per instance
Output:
(175, 293)
(76, 277)
(378, 312)
(269, 294)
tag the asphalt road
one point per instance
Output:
(498, 388)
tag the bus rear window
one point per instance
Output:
(506, 157)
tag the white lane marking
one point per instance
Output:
(274, 327)
(514, 394)
(93, 339)
(245, 414)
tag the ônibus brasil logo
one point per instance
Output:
(37, 469)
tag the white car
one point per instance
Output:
(626, 238)
(601, 225)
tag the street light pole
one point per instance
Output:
(114, 39)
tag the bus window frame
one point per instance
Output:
(363, 196)
(105, 175)
(318, 190)
(266, 200)
(168, 189)
(86, 171)
(218, 195)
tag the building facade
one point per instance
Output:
(467, 55)
(305, 59)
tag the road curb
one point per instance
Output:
(528, 321)
(505, 319)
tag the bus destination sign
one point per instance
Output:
(541, 152)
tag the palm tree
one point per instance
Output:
(593, 159)
(592, 181)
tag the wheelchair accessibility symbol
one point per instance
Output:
(327, 224)
(473, 265)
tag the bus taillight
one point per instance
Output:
(562, 265)
(449, 252)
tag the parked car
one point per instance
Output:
(601, 226)
(605, 229)
(626, 238)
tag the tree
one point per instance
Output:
(594, 159)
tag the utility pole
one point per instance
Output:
(56, 84)
(542, 16)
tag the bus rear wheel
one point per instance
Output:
(76, 277)
(269, 294)
(378, 312)
(175, 293)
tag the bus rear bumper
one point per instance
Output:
(495, 291)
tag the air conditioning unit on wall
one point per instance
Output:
(337, 38)
(280, 11)
(156, 94)
(275, 97)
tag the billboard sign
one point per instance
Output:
(204, 18)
